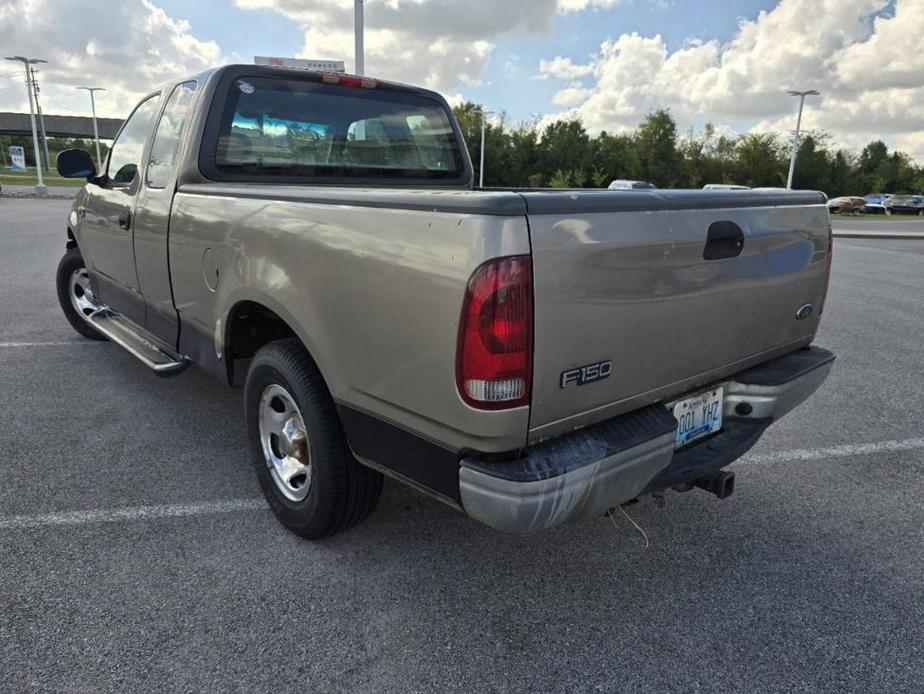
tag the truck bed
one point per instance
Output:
(619, 276)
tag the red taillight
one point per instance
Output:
(824, 295)
(494, 357)
(348, 80)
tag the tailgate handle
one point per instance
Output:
(725, 240)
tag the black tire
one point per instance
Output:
(343, 492)
(71, 262)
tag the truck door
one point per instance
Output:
(106, 225)
(152, 214)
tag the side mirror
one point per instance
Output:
(75, 163)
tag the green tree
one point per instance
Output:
(812, 164)
(897, 174)
(524, 157)
(560, 179)
(658, 159)
(873, 157)
(564, 155)
(497, 145)
(758, 160)
(600, 177)
(612, 157)
(564, 147)
(843, 174)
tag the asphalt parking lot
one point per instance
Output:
(136, 554)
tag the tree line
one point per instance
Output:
(563, 155)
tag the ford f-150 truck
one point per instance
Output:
(527, 356)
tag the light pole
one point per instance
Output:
(41, 120)
(99, 160)
(40, 186)
(795, 139)
(484, 115)
(358, 36)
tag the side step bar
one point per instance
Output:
(160, 359)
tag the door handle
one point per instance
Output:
(125, 220)
(724, 240)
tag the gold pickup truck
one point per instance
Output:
(526, 356)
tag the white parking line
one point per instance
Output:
(844, 451)
(132, 513)
(140, 513)
(60, 343)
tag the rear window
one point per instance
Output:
(306, 131)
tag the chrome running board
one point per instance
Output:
(157, 357)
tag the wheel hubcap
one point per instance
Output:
(285, 443)
(82, 298)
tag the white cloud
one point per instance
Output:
(565, 6)
(870, 72)
(563, 69)
(866, 56)
(893, 54)
(128, 47)
(440, 44)
(572, 94)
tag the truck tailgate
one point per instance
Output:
(676, 289)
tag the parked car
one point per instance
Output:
(724, 186)
(905, 204)
(622, 184)
(527, 357)
(849, 204)
(874, 203)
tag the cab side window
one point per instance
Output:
(125, 156)
(167, 137)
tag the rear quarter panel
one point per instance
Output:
(375, 294)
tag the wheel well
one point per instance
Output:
(71, 240)
(250, 326)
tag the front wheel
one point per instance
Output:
(75, 294)
(308, 475)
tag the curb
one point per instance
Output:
(23, 196)
(878, 235)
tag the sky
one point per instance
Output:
(608, 62)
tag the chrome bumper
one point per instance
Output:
(585, 473)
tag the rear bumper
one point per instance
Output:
(594, 469)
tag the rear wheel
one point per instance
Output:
(310, 478)
(75, 293)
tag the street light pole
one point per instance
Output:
(795, 139)
(484, 115)
(358, 29)
(40, 189)
(41, 120)
(99, 159)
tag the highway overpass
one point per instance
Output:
(59, 126)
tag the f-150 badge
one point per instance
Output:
(582, 375)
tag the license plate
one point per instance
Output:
(698, 416)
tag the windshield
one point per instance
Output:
(303, 130)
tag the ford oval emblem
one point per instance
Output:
(804, 311)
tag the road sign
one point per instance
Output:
(17, 158)
(301, 64)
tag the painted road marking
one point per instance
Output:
(132, 513)
(60, 343)
(141, 513)
(844, 451)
